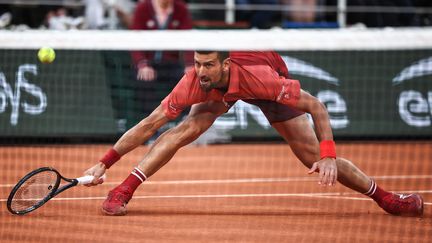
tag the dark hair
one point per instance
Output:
(222, 55)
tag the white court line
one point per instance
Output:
(256, 180)
(252, 180)
(287, 179)
(329, 195)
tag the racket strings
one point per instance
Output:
(34, 190)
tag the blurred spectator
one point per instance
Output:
(423, 19)
(60, 20)
(381, 19)
(5, 16)
(29, 15)
(95, 14)
(377, 18)
(5, 19)
(109, 14)
(260, 19)
(124, 10)
(305, 13)
(165, 67)
(161, 15)
(208, 14)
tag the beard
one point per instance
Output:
(206, 86)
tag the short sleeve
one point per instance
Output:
(184, 94)
(177, 100)
(289, 92)
(265, 83)
(170, 109)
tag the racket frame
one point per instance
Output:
(55, 191)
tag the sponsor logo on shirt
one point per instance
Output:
(172, 107)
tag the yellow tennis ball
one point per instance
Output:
(46, 55)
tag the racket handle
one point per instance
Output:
(88, 179)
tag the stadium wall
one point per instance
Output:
(384, 91)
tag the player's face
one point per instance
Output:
(211, 72)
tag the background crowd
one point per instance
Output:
(119, 14)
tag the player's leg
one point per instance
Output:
(300, 135)
(200, 118)
(295, 128)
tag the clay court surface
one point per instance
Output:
(222, 193)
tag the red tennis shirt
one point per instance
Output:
(253, 75)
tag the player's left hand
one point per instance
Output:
(327, 170)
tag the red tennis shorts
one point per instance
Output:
(275, 112)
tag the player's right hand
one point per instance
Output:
(97, 171)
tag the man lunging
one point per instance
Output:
(217, 81)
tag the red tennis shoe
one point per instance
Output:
(116, 202)
(403, 204)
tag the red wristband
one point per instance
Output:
(110, 158)
(328, 149)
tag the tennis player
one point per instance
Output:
(218, 80)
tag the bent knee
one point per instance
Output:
(187, 131)
(196, 126)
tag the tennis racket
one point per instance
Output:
(38, 187)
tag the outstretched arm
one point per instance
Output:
(133, 138)
(141, 132)
(327, 165)
(318, 111)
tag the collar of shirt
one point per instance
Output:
(162, 14)
(234, 83)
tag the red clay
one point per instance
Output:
(235, 193)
